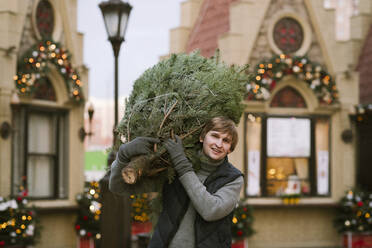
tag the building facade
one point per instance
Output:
(296, 137)
(43, 87)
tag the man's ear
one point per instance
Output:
(201, 139)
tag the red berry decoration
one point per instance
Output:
(77, 227)
(89, 234)
(85, 217)
(240, 233)
(360, 204)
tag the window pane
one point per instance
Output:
(63, 157)
(18, 149)
(288, 137)
(41, 133)
(253, 138)
(322, 155)
(287, 176)
(40, 176)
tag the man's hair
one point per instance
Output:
(224, 125)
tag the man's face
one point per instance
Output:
(216, 145)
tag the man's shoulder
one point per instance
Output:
(232, 169)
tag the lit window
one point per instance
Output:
(287, 155)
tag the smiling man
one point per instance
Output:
(198, 206)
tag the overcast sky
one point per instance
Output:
(146, 39)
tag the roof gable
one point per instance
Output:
(364, 68)
(213, 21)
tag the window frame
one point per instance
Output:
(263, 154)
(61, 115)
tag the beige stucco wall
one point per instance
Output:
(11, 19)
(309, 224)
(57, 216)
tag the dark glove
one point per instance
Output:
(177, 155)
(138, 146)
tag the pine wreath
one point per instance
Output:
(270, 71)
(177, 96)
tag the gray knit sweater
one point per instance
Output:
(210, 206)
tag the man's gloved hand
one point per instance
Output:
(177, 155)
(136, 147)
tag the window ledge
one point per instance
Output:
(54, 205)
(304, 202)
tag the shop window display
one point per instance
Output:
(287, 155)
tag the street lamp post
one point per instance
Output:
(116, 15)
(115, 217)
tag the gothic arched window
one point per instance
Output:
(288, 97)
(44, 90)
(45, 18)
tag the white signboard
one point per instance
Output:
(322, 172)
(288, 137)
(253, 187)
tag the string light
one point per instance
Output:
(46, 51)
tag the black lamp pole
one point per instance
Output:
(115, 218)
(116, 16)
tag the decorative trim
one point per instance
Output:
(270, 72)
(34, 64)
(306, 30)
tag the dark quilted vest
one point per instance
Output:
(213, 234)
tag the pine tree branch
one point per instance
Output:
(166, 116)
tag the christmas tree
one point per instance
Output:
(88, 219)
(176, 97)
(18, 222)
(242, 221)
(354, 212)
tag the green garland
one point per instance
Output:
(242, 221)
(88, 220)
(35, 64)
(354, 213)
(19, 224)
(270, 72)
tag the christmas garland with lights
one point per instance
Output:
(242, 221)
(269, 72)
(354, 212)
(18, 222)
(35, 64)
(88, 220)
